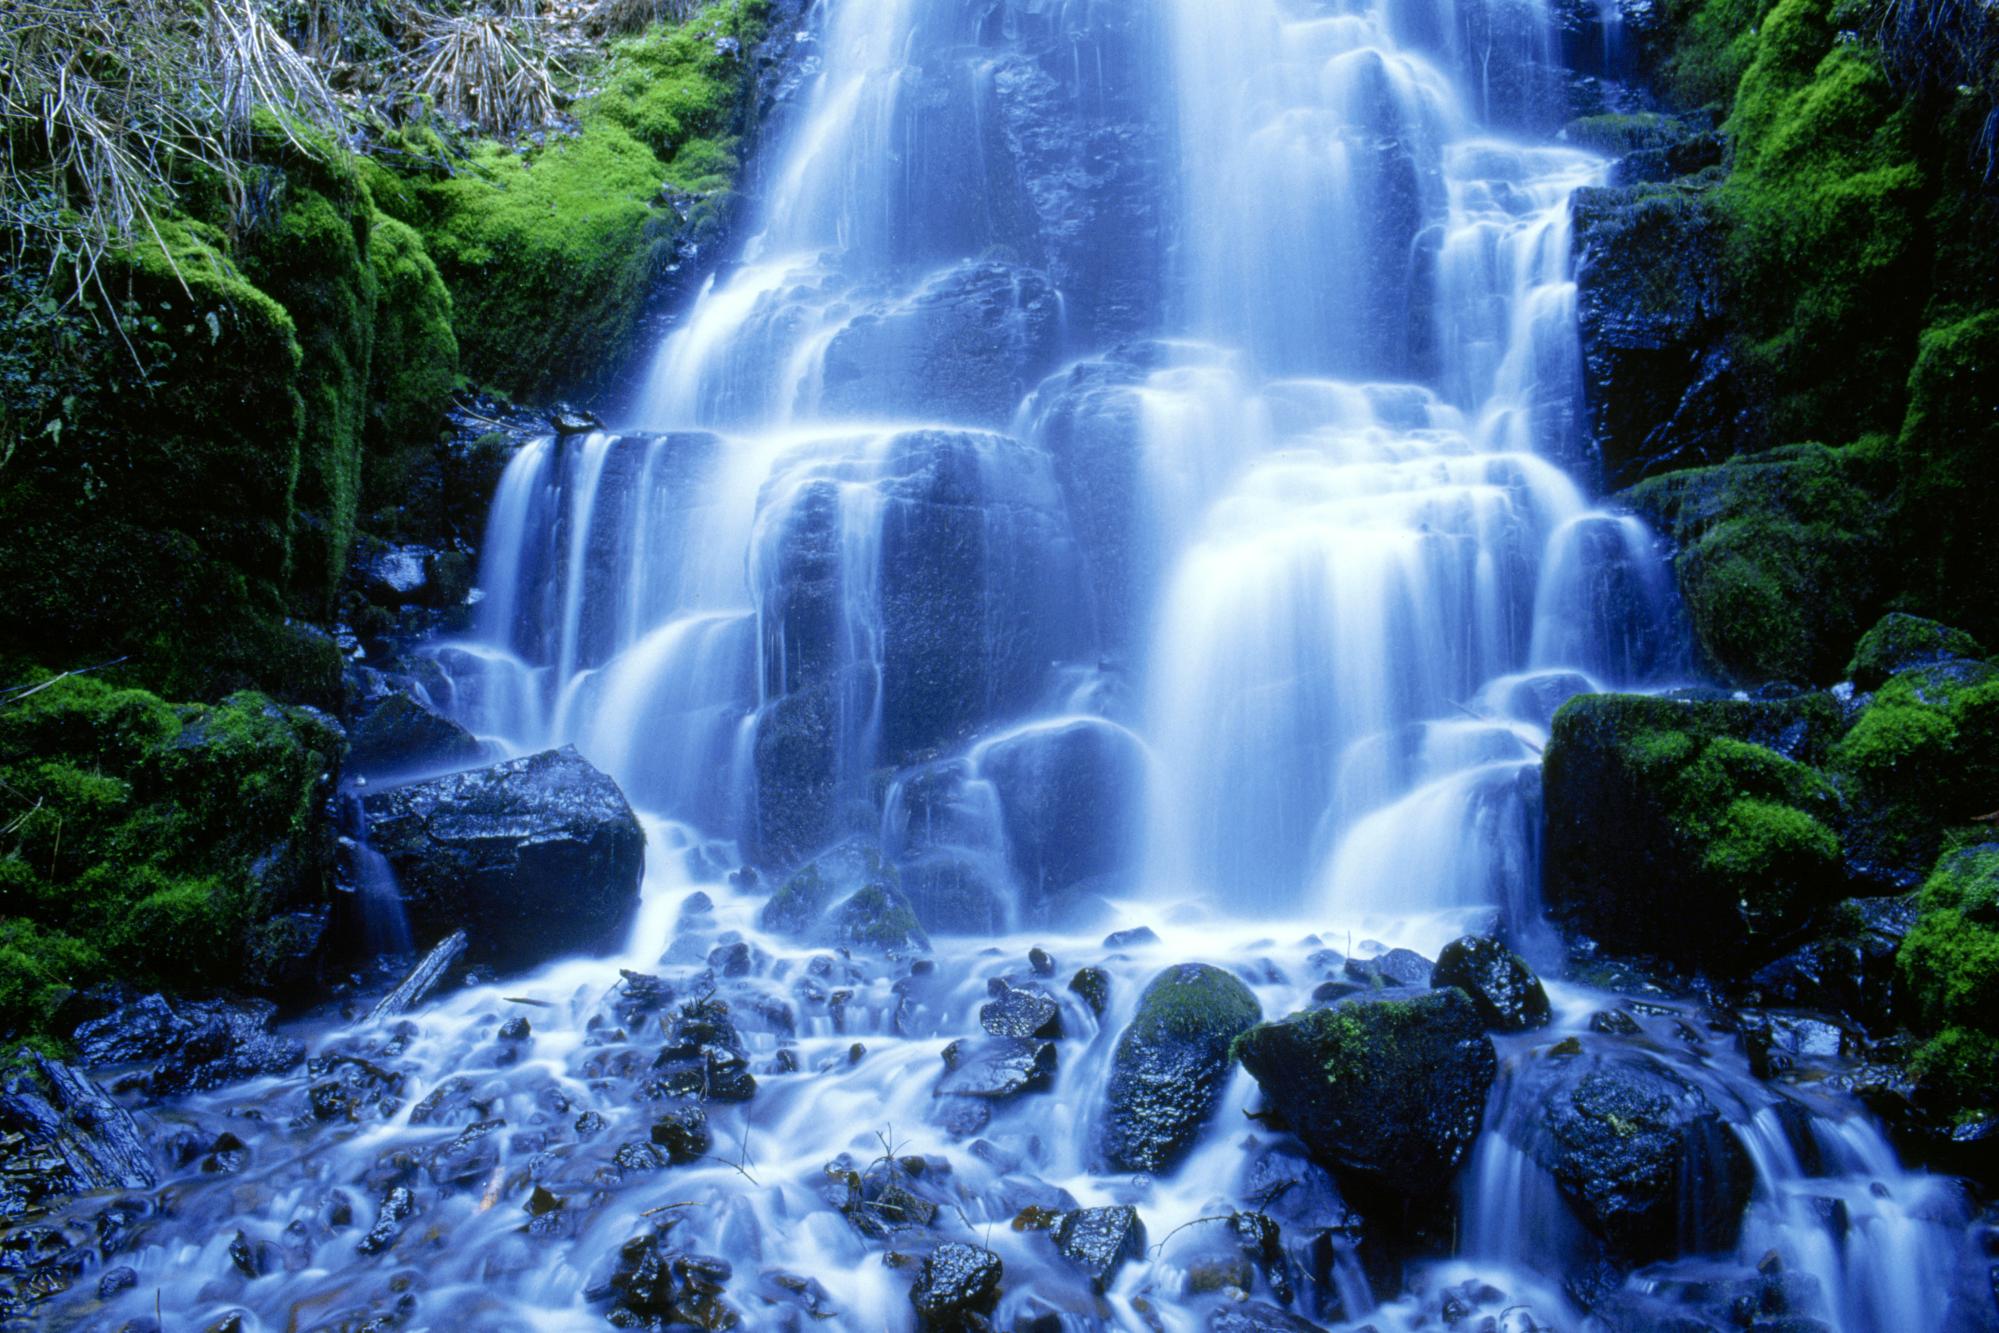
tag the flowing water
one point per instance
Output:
(1128, 476)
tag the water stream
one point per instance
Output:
(1129, 476)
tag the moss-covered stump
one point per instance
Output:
(1171, 1065)
(1922, 759)
(1671, 832)
(1950, 972)
(1388, 1093)
(1779, 559)
(175, 846)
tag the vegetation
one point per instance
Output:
(1950, 967)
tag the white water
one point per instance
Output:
(1236, 609)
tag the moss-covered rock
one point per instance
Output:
(1922, 758)
(1171, 1065)
(1899, 642)
(1669, 833)
(849, 896)
(1947, 450)
(1950, 970)
(1388, 1093)
(415, 367)
(151, 841)
(1779, 559)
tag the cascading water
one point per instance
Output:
(1124, 479)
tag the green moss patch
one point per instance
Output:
(151, 841)
(1950, 968)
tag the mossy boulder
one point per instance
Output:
(1171, 1066)
(1387, 1093)
(1900, 641)
(1507, 994)
(415, 368)
(1670, 831)
(1949, 967)
(1779, 558)
(847, 896)
(1946, 450)
(155, 842)
(1921, 759)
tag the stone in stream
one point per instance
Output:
(397, 1206)
(1259, 1317)
(1093, 986)
(955, 1288)
(1171, 1065)
(191, 1045)
(1388, 1092)
(704, 1057)
(534, 858)
(399, 732)
(1641, 1153)
(848, 897)
(996, 1068)
(683, 1132)
(64, 1136)
(1019, 1012)
(1099, 1240)
(1397, 967)
(1508, 995)
(654, 1287)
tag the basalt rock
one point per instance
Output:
(1508, 995)
(190, 1045)
(1019, 1012)
(1642, 1154)
(956, 1287)
(1387, 1092)
(1099, 1240)
(534, 858)
(1171, 1065)
(652, 1286)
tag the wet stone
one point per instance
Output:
(1397, 967)
(1041, 961)
(397, 1207)
(997, 1068)
(1507, 994)
(1099, 1240)
(956, 1286)
(1131, 939)
(803, 1293)
(1259, 1317)
(1020, 1013)
(467, 1159)
(683, 1133)
(655, 1287)
(116, 1280)
(516, 1029)
(1613, 1022)
(1093, 986)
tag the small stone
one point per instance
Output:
(1098, 1240)
(1041, 961)
(1093, 986)
(955, 1282)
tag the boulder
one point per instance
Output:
(1639, 1152)
(398, 732)
(1171, 1066)
(1017, 1011)
(1387, 1092)
(955, 1288)
(1684, 829)
(1847, 967)
(996, 1068)
(1068, 795)
(1661, 388)
(652, 1286)
(534, 858)
(1508, 995)
(1097, 1241)
(1899, 642)
(190, 1045)
(850, 898)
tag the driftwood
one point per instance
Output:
(66, 1116)
(423, 978)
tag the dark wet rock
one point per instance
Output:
(349, 1087)
(683, 1132)
(116, 1280)
(732, 960)
(1613, 1022)
(1171, 1065)
(467, 1159)
(191, 1045)
(516, 1028)
(1019, 1012)
(1099, 1240)
(996, 1068)
(1661, 387)
(1508, 995)
(955, 1288)
(1388, 1092)
(1131, 939)
(652, 1286)
(61, 1135)
(1067, 796)
(1397, 967)
(848, 897)
(574, 421)
(397, 732)
(805, 1294)
(398, 1205)
(1093, 986)
(1041, 961)
(1901, 642)
(454, 1101)
(704, 1057)
(1849, 968)
(1259, 1317)
(963, 348)
(1641, 1153)
(534, 858)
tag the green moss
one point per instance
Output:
(1827, 198)
(415, 365)
(39, 970)
(1616, 135)
(1190, 1002)
(1948, 444)
(312, 257)
(1949, 967)
(1922, 758)
(165, 836)
(1779, 561)
(1900, 641)
(1714, 42)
